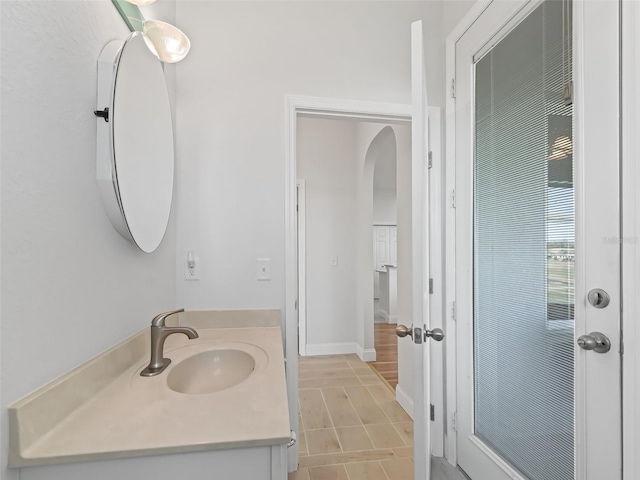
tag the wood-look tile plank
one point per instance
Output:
(312, 367)
(324, 361)
(401, 452)
(394, 411)
(340, 407)
(322, 441)
(384, 436)
(329, 382)
(332, 472)
(354, 439)
(366, 407)
(347, 457)
(370, 380)
(405, 430)
(302, 441)
(381, 393)
(366, 471)
(398, 469)
(300, 474)
(313, 409)
(361, 368)
(328, 373)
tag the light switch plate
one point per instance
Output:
(264, 269)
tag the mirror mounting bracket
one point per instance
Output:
(102, 114)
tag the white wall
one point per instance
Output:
(327, 162)
(384, 207)
(71, 286)
(245, 57)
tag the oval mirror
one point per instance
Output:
(135, 141)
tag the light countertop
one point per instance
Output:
(133, 416)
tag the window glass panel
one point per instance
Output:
(524, 249)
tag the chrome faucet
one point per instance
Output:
(159, 333)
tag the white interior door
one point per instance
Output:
(419, 331)
(537, 230)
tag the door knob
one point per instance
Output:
(437, 334)
(403, 331)
(595, 341)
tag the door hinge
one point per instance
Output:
(453, 88)
(452, 199)
(433, 412)
(454, 421)
(454, 311)
(431, 285)
(430, 160)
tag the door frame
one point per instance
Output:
(629, 235)
(451, 375)
(320, 107)
(301, 199)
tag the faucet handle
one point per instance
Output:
(158, 320)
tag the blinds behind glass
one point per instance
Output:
(523, 250)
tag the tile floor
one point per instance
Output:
(351, 427)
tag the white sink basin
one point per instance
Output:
(211, 371)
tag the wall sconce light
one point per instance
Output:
(170, 43)
(165, 41)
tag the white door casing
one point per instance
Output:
(596, 183)
(301, 215)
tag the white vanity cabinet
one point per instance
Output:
(255, 463)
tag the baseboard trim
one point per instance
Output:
(383, 314)
(368, 355)
(393, 319)
(330, 348)
(405, 401)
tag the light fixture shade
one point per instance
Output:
(141, 2)
(171, 44)
(562, 148)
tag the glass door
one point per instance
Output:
(529, 245)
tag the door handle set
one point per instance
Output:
(596, 341)
(403, 331)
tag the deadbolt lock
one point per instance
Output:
(598, 298)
